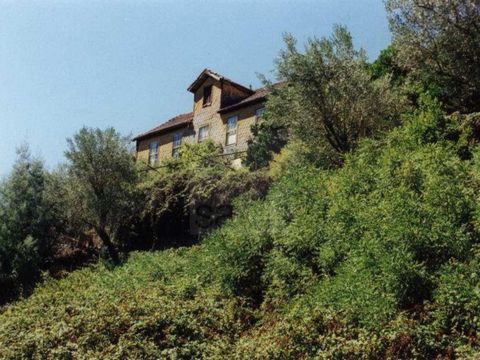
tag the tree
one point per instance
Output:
(102, 183)
(331, 100)
(269, 138)
(386, 65)
(26, 221)
(438, 42)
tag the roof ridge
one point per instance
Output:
(208, 72)
(179, 115)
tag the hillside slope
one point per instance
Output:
(378, 259)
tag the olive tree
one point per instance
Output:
(438, 42)
(102, 183)
(331, 100)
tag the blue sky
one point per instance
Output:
(127, 64)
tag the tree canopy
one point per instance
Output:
(26, 221)
(102, 186)
(438, 42)
(331, 100)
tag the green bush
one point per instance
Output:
(179, 186)
(375, 260)
(239, 250)
(136, 310)
(367, 239)
(457, 298)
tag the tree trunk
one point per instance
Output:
(107, 241)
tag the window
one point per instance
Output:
(202, 133)
(259, 112)
(177, 142)
(231, 130)
(207, 95)
(153, 153)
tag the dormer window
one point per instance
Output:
(207, 95)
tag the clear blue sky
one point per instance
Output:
(127, 64)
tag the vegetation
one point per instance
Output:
(360, 240)
(27, 216)
(269, 137)
(192, 194)
(437, 42)
(331, 100)
(377, 259)
(101, 183)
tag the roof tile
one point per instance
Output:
(258, 95)
(179, 120)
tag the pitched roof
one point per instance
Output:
(259, 95)
(209, 73)
(185, 119)
(177, 121)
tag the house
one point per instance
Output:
(223, 111)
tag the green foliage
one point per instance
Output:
(134, 311)
(373, 260)
(364, 243)
(200, 175)
(26, 225)
(270, 134)
(437, 43)
(101, 186)
(331, 101)
(239, 250)
(457, 298)
(297, 154)
(386, 65)
(268, 139)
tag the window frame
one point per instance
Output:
(204, 99)
(229, 132)
(176, 143)
(153, 153)
(207, 133)
(260, 110)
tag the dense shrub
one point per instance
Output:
(364, 243)
(457, 298)
(136, 311)
(201, 178)
(375, 259)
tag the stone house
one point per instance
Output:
(223, 111)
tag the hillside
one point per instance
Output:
(352, 231)
(376, 259)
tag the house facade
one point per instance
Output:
(223, 111)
